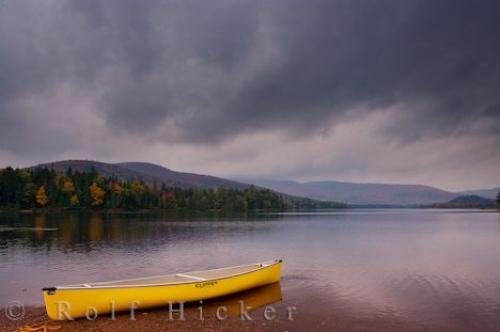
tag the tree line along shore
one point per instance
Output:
(43, 188)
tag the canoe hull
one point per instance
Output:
(63, 304)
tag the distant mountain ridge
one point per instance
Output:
(486, 193)
(147, 172)
(467, 201)
(362, 193)
(182, 179)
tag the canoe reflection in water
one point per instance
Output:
(237, 305)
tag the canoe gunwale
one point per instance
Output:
(107, 284)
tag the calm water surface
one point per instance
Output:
(435, 268)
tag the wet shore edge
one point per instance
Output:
(35, 318)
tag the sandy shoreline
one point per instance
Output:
(158, 320)
(261, 309)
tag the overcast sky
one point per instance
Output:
(372, 91)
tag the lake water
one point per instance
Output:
(424, 268)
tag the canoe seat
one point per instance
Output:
(190, 277)
(221, 273)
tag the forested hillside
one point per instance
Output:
(43, 188)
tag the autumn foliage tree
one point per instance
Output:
(96, 194)
(41, 197)
(116, 187)
(68, 187)
(74, 201)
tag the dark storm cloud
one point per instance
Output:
(203, 71)
(438, 60)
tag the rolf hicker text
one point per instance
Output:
(176, 311)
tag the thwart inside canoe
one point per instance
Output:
(178, 278)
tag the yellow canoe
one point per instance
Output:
(93, 299)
